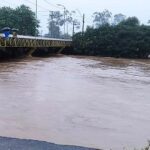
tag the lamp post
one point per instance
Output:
(64, 16)
(36, 9)
(83, 23)
(36, 5)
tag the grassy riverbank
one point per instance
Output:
(128, 39)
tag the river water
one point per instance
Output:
(84, 101)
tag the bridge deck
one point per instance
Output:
(31, 41)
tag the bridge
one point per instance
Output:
(29, 45)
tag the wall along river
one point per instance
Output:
(85, 101)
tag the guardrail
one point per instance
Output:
(31, 41)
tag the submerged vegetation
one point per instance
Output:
(125, 38)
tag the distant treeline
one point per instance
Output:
(127, 39)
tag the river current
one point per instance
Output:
(85, 101)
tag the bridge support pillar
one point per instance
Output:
(31, 51)
(61, 49)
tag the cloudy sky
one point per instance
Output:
(139, 8)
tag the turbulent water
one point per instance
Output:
(85, 101)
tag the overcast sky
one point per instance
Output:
(139, 8)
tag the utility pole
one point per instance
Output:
(36, 10)
(83, 23)
(73, 28)
(64, 21)
(36, 32)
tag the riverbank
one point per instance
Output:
(128, 39)
(22, 144)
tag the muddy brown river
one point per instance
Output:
(85, 101)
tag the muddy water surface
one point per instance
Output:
(85, 101)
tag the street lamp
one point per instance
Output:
(64, 16)
(36, 9)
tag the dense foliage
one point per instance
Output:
(21, 18)
(127, 39)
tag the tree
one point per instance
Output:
(6, 17)
(55, 21)
(76, 25)
(118, 18)
(128, 39)
(71, 19)
(102, 18)
(21, 18)
(68, 20)
(131, 21)
(148, 22)
(26, 21)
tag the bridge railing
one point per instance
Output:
(31, 41)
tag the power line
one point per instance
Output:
(51, 4)
(43, 11)
(37, 5)
(9, 3)
(36, 10)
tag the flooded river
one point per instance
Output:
(84, 101)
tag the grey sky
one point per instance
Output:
(139, 8)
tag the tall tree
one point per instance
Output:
(76, 25)
(71, 19)
(55, 21)
(6, 17)
(26, 21)
(118, 18)
(102, 18)
(131, 21)
(21, 18)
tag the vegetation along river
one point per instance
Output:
(84, 101)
